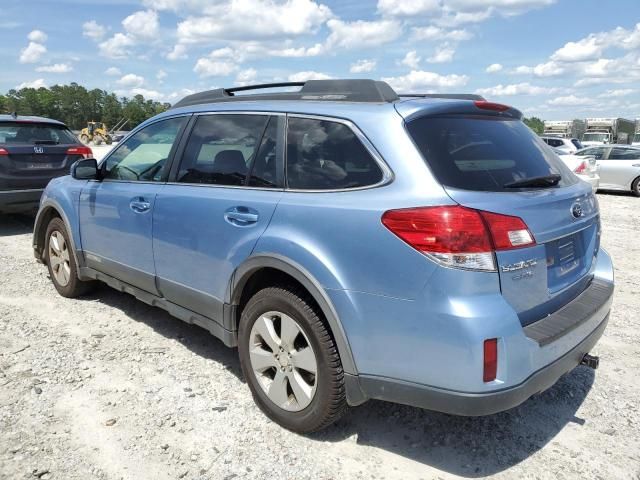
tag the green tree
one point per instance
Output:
(535, 124)
(74, 105)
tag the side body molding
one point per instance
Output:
(297, 271)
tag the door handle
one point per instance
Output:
(241, 216)
(139, 205)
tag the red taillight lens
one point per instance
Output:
(496, 107)
(3, 152)
(84, 151)
(581, 168)
(458, 236)
(454, 235)
(508, 232)
(490, 369)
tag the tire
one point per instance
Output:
(323, 400)
(108, 140)
(61, 262)
(84, 139)
(97, 140)
(635, 187)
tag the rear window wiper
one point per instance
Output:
(544, 181)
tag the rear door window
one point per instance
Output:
(27, 133)
(327, 155)
(597, 152)
(484, 153)
(576, 143)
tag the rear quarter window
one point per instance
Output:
(327, 155)
(484, 153)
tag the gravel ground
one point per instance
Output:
(107, 387)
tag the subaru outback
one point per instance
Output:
(353, 244)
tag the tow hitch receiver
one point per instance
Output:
(590, 361)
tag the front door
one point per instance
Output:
(621, 168)
(116, 213)
(219, 201)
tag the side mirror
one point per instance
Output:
(85, 169)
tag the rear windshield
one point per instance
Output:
(576, 143)
(484, 153)
(16, 133)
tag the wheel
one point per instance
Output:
(61, 262)
(108, 140)
(84, 139)
(635, 187)
(290, 361)
(97, 140)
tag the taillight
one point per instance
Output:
(490, 367)
(84, 151)
(508, 232)
(496, 107)
(3, 151)
(581, 168)
(458, 236)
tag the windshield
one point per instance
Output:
(595, 137)
(20, 133)
(636, 138)
(484, 153)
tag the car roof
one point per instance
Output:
(29, 119)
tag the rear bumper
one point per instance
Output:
(20, 200)
(477, 404)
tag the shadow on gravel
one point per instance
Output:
(196, 339)
(14, 224)
(467, 446)
(616, 193)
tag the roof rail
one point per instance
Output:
(361, 91)
(451, 96)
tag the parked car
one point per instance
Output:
(33, 150)
(566, 145)
(353, 244)
(585, 167)
(618, 166)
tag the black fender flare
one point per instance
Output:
(302, 275)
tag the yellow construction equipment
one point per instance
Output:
(96, 133)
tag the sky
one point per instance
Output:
(555, 59)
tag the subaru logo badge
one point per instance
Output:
(576, 210)
(38, 150)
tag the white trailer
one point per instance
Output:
(564, 128)
(602, 131)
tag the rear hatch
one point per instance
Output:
(493, 162)
(32, 153)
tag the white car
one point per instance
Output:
(618, 166)
(566, 145)
(585, 167)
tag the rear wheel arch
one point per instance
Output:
(635, 187)
(264, 271)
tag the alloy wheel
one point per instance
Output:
(59, 258)
(283, 361)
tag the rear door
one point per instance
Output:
(32, 153)
(481, 161)
(220, 199)
(116, 213)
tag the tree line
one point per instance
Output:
(75, 105)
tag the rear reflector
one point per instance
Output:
(581, 168)
(496, 107)
(490, 360)
(84, 151)
(457, 236)
(3, 152)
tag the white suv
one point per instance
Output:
(567, 145)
